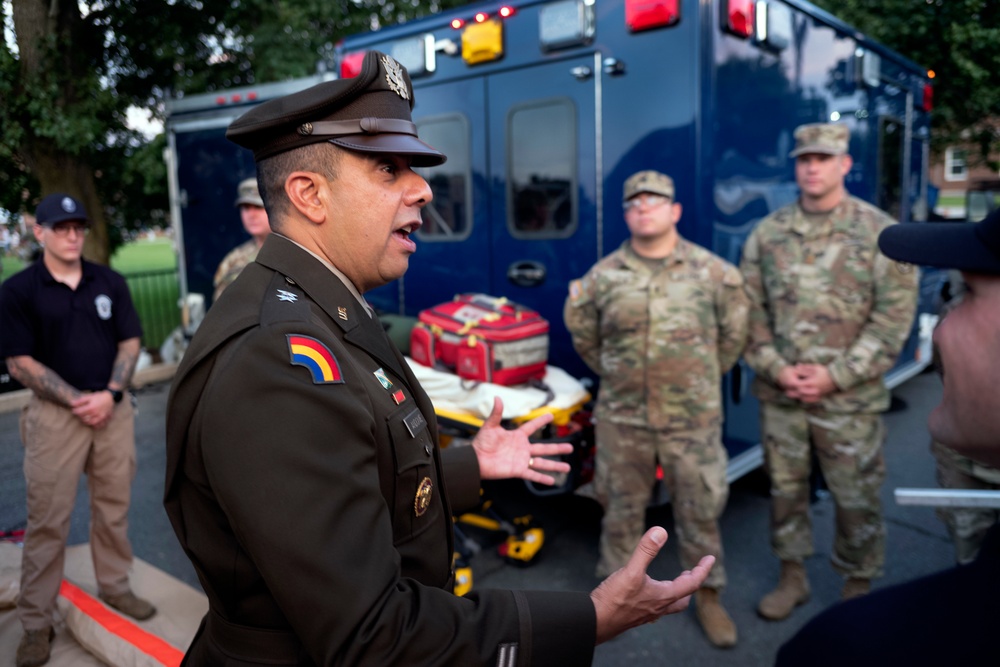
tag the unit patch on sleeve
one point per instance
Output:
(317, 357)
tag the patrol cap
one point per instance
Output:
(247, 193)
(966, 246)
(648, 181)
(60, 207)
(827, 138)
(369, 113)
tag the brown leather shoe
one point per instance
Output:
(792, 590)
(715, 621)
(130, 605)
(34, 647)
(855, 587)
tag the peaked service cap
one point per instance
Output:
(967, 246)
(60, 207)
(369, 113)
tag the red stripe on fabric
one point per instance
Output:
(146, 642)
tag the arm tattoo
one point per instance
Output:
(128, 355)
(42, 380)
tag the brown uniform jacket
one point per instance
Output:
(301, 494)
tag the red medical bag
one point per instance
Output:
(483, 338)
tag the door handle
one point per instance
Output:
(526, 273)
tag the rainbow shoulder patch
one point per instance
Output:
(317, 357)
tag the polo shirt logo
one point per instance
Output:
(103, 303)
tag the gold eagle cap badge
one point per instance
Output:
(423, 498)
(394, 76)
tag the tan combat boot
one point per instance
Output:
(855, 587)
(718, 626)
(792, 590)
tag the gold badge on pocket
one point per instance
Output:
(423, 498)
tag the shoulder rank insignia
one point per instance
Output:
(284, 295)
(317, 357)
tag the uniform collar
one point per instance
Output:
(802, 225)
(337, 272)
(679, 256)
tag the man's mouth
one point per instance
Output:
(406, 230)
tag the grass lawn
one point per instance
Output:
(145, 255)
(951, 201)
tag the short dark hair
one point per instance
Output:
(322, 158)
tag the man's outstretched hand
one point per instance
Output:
(629, 597)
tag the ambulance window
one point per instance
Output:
(541, 166)
(449, 215)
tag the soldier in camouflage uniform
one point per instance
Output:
(967, 526)
(829, 315)
(660, 320)
(254, 219)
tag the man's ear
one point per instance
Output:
(304, 191)
(846, 162)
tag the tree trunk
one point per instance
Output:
(35, 23)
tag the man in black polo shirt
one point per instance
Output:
(70, 334)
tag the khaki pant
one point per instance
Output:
(694, 472)
(57, 449)
(849, 450)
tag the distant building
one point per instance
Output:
(958, 171)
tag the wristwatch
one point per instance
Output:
(116, 394)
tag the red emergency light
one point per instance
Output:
(648, 14)
(482, 17)
(928, 97)
(738, 17)
(506, 11)
(350, 64)
(457, 24)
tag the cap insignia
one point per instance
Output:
(68, 205)
(305, 129)
(394, 76)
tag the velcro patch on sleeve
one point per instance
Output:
(315, 356)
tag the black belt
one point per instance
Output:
(257, 645)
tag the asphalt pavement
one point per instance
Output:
(917, 541)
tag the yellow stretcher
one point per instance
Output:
(462, 407)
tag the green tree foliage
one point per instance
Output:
(960, 41)
(78, 66)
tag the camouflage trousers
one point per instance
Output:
(694, 472)
(849, 451)
(966, 525)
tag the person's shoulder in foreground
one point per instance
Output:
(946, 618)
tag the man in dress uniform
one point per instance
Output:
(828, 317)
(660, 320)
(71, 334)
(304, 478)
